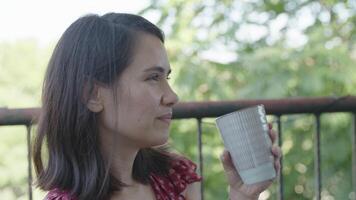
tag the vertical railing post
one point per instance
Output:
(200, 150)
(354, 152)
(280, 178)
(28, 127)
(317, 162)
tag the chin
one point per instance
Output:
(161, 140)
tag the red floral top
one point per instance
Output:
(170, 187)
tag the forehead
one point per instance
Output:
(149, 52)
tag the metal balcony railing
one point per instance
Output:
(200, 110)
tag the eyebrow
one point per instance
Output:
(158, 69)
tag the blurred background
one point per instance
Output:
(219, 50)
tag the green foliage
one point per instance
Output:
(246, 50)
(222, 50)
(22, 65)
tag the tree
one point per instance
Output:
(265, 49)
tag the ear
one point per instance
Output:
(95, 103)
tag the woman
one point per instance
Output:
(107, 107)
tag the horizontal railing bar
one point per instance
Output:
(273, 106)
(22, 116)
(198, 110)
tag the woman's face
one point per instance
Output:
(143, 111)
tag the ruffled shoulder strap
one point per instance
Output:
(181, 174)
(183, 171)
(57, 194)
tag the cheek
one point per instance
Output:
(139, 103)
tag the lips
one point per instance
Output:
(165, 118)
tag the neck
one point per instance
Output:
(121, 153)
(122, 164)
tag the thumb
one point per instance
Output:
(232, 175)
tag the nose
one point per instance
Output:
(169, 98)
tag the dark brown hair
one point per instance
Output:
(93, 49)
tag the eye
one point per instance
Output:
(154, 77)
(157, 77)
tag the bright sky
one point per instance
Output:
(46, 20)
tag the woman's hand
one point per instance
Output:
(240, 191)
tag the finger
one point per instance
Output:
(229, 168)
(276, 151)
(273, 135)
(227, 162)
